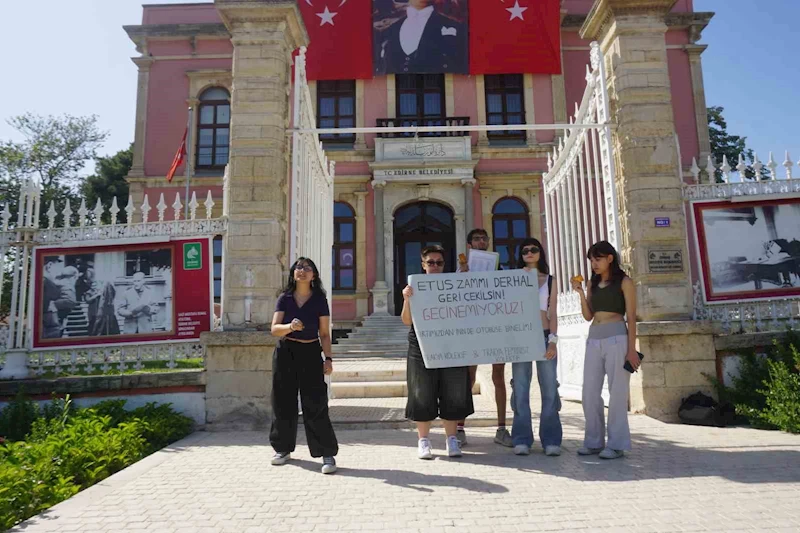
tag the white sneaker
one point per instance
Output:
(424, 449)
(552, 451)
(328, 465)
(453, 447)
(281, 458)
(584, 450)
(608, 453)
(522, 449)
(503, 438)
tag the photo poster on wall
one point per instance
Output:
(476, 318)
(118, 294)
(430, 40)
(748, 250)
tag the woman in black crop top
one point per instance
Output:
(302, 320)
(609, 304)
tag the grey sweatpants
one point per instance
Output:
(606, 357)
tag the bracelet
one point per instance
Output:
(328, 359)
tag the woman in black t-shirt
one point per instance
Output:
(302, 320)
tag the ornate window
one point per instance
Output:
(344, 247)
(336, 108)
(213, 129)
(420, 100)
(510, 225)
(505, 104)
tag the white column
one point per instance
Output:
(380, 290)
(142, 87)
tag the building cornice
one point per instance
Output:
(695, 22)
(141, 34)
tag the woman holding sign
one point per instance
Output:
(532, 257)
(432, 392)
(302, 321)
(611, 297)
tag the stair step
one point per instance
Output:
(349, 376)
(369, 389)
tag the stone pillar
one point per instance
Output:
(480, 89)
(264, 34)
(486, 210)
(380, 290)
(699, 92)
(469, 206)
(632, 40)
(362, 294)
(142, 87)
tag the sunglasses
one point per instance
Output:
(531, 250)
(434, 263)
(304, 268)
(481, 238)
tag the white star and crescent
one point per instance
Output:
(326, 17)
(516, 11)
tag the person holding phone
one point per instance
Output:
(302, 321)
(610, 303)
(532, 257)
(432, 392)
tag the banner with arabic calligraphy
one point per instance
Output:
(421, 37)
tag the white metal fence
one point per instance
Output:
(580, 198)
(17, 244)
(719, 181)
(311, 213)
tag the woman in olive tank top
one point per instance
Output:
(610, 303)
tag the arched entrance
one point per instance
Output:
(416, 226)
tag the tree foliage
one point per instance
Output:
(108, 182)
(730, 146)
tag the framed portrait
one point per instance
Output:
(119, 294)
(748, 250)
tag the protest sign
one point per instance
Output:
(477, 318)
(480, 261)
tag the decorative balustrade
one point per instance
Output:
(411, 122)
(720, 181)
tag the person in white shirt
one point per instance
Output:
(424, 41)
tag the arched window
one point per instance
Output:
(213, 129)
(510, 224)
(344, 247)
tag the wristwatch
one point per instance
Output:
(328, 359)
(552, 339)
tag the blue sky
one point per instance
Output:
(73, 57)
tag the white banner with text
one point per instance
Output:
(477, 318)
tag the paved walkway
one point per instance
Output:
(678, 478)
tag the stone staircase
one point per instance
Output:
(369, 377)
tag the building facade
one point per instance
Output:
(420, 191)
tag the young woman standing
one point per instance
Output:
(432, 392)
(302, 321)
(532, 257)
(611, 298)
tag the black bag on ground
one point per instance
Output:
(700, 409)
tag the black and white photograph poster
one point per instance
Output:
(420, 36)
(749, 250)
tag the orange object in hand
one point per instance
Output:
(462, 258)
(578, 278)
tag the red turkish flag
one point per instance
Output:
(341, 39)
(180, 156)
(515, 36)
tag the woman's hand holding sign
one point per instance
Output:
(408, 292)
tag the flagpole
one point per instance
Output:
(188, 163)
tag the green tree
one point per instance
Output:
(108, 182)
(730, 146)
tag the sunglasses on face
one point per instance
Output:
(434, 263)
(531, 250)
(304, 268)
(481, 238)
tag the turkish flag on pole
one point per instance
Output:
(341, 39)
(180, 156)
(515, 36)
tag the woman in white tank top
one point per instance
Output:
(532, 259)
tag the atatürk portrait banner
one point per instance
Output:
(420, 36)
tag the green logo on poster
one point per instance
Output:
(192, 256)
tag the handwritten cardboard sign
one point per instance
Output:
(477, 318)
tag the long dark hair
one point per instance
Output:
(604, 249)
(542, 264)
(316, 283)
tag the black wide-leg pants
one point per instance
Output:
(298, 366)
